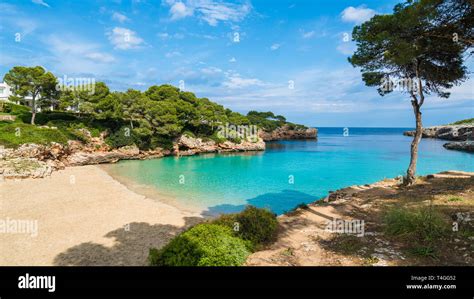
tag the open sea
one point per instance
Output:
(287, 173)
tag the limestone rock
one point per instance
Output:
(467, 146)
(450, 132)
(286, 133)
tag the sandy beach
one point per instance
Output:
(82, 216)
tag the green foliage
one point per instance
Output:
(421, 227)
(269, 122)
(259, 226)
(156, 117)
(15, 109)
(122, 137)
(34, 82)
(422, 224)
(469, 121)
(203, 245)
(415, 42)
(15, 134)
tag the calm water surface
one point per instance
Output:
(288, 172)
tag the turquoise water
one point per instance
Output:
(288, 172)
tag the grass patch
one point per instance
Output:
(455, 198)
(347, 244)
(16, 134)
(420, 228)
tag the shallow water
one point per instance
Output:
(288, 172)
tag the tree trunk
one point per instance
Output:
(33, 110)
(411, 178)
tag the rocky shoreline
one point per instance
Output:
(449, 132)
(461, 137)
(37, 161)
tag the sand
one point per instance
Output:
(83, 217)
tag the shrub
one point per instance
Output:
(15, 109)
(420, 228)
(121, 137)
(420, 224)
(259, 226)
(15, 134)
(203, 245)
(189, 134)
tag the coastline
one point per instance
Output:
(94, 219)
(89, 219)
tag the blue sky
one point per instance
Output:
(289, 57)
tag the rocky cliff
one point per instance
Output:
(33, 160)
(449, 132)
(287, 133)
(466, 146)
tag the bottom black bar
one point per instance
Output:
(243, 282)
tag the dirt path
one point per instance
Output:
(304, 239)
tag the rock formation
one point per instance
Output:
(466, 146)
(33, 160)
(449, 132)
(287, 133)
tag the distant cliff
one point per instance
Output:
(460, 135)
(288, 133)
(275, 127)
(447, 132)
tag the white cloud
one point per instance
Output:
(346, 48)
(40, 2)
(124, 39)
(100, 57)
(116, 16)
(179, 10)
(307, 35)
(211, 70)
(357, 15)
(70, 54)
(172, 54)
(163, 35)
(210, 11)
(234, 81)
(233, 59)
(275, 47)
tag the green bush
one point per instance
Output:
(419, 224)
(203, 245)
(122, 137)
(15, 109)
(259, 226)
(15, 134)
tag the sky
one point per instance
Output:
(289, 57)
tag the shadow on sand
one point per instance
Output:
(130, 249)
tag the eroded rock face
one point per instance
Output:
(33, 160)
(466, 146)
(285, 133)
(19, 168)
(186, 146)
(454, 133)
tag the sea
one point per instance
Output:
(287, 173)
